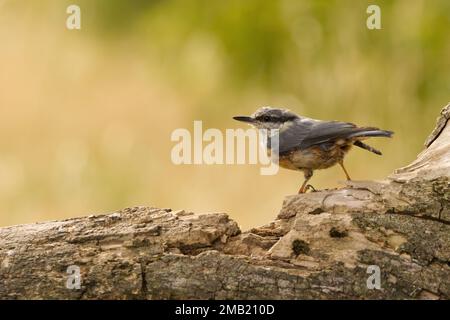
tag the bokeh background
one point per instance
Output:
(86, 116)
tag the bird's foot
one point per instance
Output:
(306, 188)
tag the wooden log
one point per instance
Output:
(372, 239)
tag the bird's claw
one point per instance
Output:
(306, 188)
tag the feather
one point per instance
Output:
(304, 133)
(367, 147)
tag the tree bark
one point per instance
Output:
(323, 245)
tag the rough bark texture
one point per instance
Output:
(320, 245)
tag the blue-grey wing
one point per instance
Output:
(303, 134)
(328, 131)
(292, 134)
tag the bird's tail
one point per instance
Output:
(367, 147)
(371, 132)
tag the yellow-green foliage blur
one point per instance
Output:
(86, 115)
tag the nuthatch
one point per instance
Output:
(307, 144)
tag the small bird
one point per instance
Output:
(307, 144)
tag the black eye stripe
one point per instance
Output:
(275, 118)
(270, 118)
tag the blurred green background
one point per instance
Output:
(86, 116)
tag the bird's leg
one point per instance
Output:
(302, 188)
(341, 163)
(308, 175)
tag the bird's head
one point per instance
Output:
(268, 118)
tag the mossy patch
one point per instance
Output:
(300, 247)
(338, 232)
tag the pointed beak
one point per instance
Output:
(244, 119)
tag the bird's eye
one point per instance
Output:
(266, 118)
